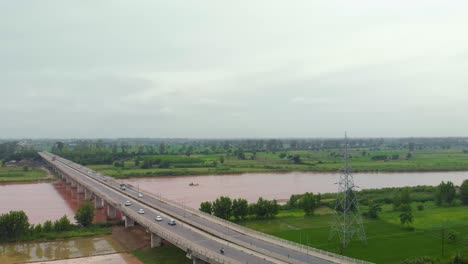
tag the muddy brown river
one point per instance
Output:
(251, 186)
(50, 201)
(43, 201)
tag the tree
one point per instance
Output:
(63, 224)
(162, 148)
(85, 214)
(406, 218)
(296, 159)
(222, 207)
(464, 192)
(189, 151)
(13, 225)
(221, 159)
(374, 210)
(293, 201)
(265, 208)
(25, 168)
(307, 203)
(206, 207)
(445, 193)
(48, 226)
(240, 208)
(402, 200)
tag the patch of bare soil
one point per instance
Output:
(131, 238)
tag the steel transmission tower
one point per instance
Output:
(347, 221)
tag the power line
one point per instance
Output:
(347, 221)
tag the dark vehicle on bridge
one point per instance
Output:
(171, 222)
(123, 187)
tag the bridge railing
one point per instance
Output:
(179, 241)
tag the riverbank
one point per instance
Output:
(310, 161)
(24, 175)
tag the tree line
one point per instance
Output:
(15, 226)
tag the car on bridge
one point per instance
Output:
(140, 195)
(141, 211)
(128, 203)
(171, 222)
(158, 218)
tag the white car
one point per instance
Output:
(158, 218)
(141, 211)
(128, 203)
(140, 195)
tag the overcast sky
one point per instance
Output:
(202, 69)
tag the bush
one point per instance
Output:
(420, 207)
(452, 236)
(48, 226)
(419, 260)
(85, 214)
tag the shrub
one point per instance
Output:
(418, 260)
(420, 207)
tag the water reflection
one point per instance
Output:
(63, 249)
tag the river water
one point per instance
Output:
(43, 201)
(50, 201)
(251, 186)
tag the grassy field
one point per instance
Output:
(363, 160)
(382, 234)
(168, 254)
(16, 174)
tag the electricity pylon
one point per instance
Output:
(347, 221)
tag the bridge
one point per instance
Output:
(199, 234)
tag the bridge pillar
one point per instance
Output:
(99, 203)
(88, 194)
(73, 183)
(80, 188)
(67, 179)
(198, 261)
(156, 241)
(128, 221)
(110, 212)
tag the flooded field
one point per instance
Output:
(62, 249)
(278, 186)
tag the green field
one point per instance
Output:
(363, 160)
(16, 174)
(168, 254)
(387, 240)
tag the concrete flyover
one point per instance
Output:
(200, 235)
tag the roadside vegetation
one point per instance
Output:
(422, 224)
